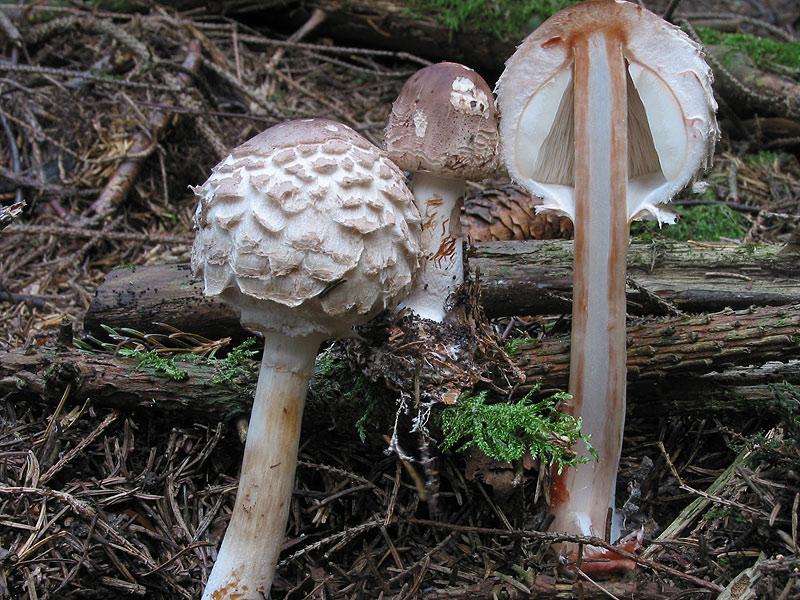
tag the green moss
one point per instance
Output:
(155, 363)
(768, 54)
(237, 362)
(703, 223)
(336, 390)
(513, 345)
(507, 430)
(503, 18)
(129, 266)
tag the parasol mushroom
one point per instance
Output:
(606, 112)
(307, 229)
(442, 128)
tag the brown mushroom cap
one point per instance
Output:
(306, 227)
(444, 121)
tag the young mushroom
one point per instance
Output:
(606, 112)
(442, 128)
(307, 229)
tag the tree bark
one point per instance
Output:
(664, 355)
(518, 278)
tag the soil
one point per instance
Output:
(97, 502)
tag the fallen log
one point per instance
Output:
(663, 355)
(750, 88)
(518, 278)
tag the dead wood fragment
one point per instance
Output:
(661, 353)
(518, 278)
(751, 88)
(118, 186)
(9, 213)
(546, 586)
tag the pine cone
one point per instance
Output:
(507, 212)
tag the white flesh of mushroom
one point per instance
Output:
(307, 229)
(441, 270)
(606, 112)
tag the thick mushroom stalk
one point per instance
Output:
(307, 229)
(246, 560)
(606, 112)
(441, 269)
(442, 128)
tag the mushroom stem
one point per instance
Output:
(441, 269)
(581, 496)
(246, 561)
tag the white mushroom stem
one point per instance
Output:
(246, 561)
(583, 495)
(441, 269)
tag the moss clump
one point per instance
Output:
(507, 430)
(512, 346)
(348, 398)
(769, 55)
(503, 18)
(153, 362)
(703, 223)
(237, 362)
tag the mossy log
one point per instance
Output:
(672, 353)
(392, 25)
(518, 278)
(750, 88)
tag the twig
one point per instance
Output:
(265, 41)
(152, 238)
(79, 446)
(317, 17)
(72, 74)
(9, 213)
(32, 300)
(776, 31)
(120, 183)
(595, 584)
(27, 182)
(670, 10)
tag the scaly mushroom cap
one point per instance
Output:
(308, 227)
(444, 121)
(672, 126)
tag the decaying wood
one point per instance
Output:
(518, 278)
(741, 82)
(9, 213)
(391, 25)
(545, 586)
(662, 354)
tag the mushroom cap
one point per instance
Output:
(307, 228)
(672, 126)
(444, 121)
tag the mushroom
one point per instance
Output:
(307, 229)
(606, 111)
(442, 128)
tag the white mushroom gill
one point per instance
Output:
(307, 229)
(606, 111)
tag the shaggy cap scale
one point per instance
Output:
(306, 228)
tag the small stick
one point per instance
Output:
(121, 181)
(317, 17)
